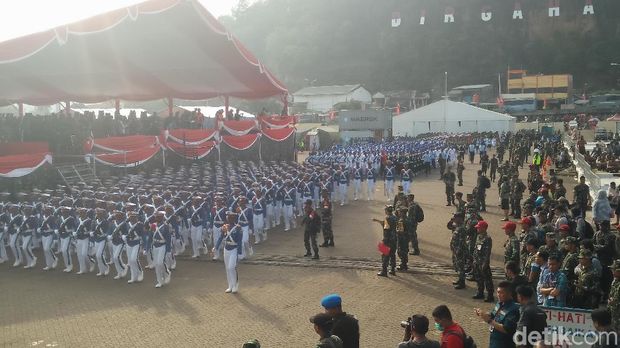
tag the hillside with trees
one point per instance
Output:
(326, 42)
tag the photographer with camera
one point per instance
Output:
(416, 328)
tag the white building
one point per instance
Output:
(323, 98)
(446, 116)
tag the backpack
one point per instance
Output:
(419, 214)
(468, 341)
(588, 230)
(486, 183)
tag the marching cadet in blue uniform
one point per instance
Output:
(343, 185)
(27, 232)
(49, 224)
(198, 223)
(85, 226)
(388, 176)
(162, 244)
(246, 221)
(219, 219)
(289, 198)
(269, 193)
(231, 239)
(100, 237)
(357, 181)
(279, 201)
(15, 222)
(147, 216)
(65, 232)
(308, 189)
(370, 181)
(173, 221)
(405, 179)
(135, 232)
(119, 229)
(258, 215)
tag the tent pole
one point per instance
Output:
(21, 109)
(67, 107)
(117, 106)
(226, 105)
(170, 106)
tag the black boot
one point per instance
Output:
(331, 242)
(416, 252)
(478, 296)
(308, 254)
(324, 244)
(382, 274)
(402, 268)
(393, 272)
(460, 284)
(315, 257)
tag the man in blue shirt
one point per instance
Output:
(503, 318)
(553, 284)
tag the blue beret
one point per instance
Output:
(331, 301)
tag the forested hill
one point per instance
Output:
(353, 41)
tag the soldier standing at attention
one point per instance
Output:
(587, 286)
(458, 247)
(581, 195)
(459, 171)
(482, 263)
(415, 215)
(460, 203)
(449, 179)
(493, 164)
(312, 223)
(511, 247)
(389, 239)
(326, 220)
(402, 238)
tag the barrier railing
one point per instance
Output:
(583, 168)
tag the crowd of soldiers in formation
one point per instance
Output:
(208, 209)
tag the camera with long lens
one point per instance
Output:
(406, 323)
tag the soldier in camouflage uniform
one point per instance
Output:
(581, 195)
(604, 245)
(613, 303)
(458, 247)
(402, 238)
(551, 246)
(460, 167)
(459, 203)
(482, 263)
(449, 179)
(587, 285)
(527, 234)
(471, 219)
(326, 220)
(571, 260)
(517, 187)
(400, 199)
(415, 215)
(389, 239)
(511, 246)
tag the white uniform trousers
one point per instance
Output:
(269, 217)
(102, 263)
(15, 249)
(185, 233)
(370, 188)
(3, 256)
(217, 253)
(389, 188)
(289, 218)
(84, 259)
(134, 263)
(316, 195)
(300, 204)
(357, 189)
(48, 253)
(406, 185)
(121, 267)
(247, 250)
(278, 213)
(162, 273)
(230, 263)
(259, 231)
(30, 259)
(343, 193)
(196, 236)
(65, 245)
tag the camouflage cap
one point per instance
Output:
(585, 254)
(616, 265)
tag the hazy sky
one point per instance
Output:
(22, 17)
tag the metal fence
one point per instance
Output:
(583, 168)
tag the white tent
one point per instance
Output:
(447, 116)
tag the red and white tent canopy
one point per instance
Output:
(20, 159)
(184, 52)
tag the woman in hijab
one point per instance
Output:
(601, 209)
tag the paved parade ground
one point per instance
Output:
(279, 289)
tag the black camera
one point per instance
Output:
(406, 323)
